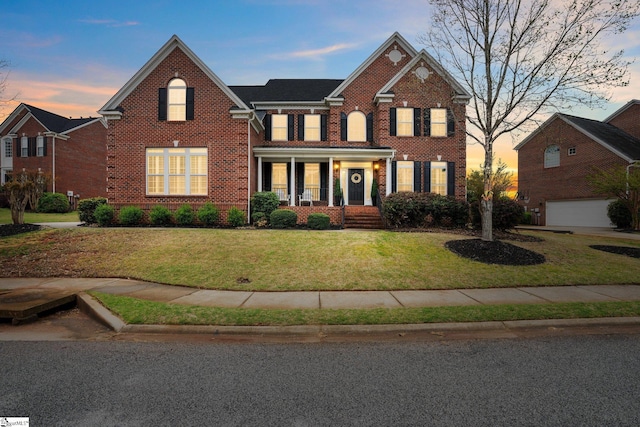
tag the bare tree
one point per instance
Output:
(25, 188)
(4, 75)
(523, 59)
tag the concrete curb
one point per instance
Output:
(98, 312)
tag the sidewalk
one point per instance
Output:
(19, 290)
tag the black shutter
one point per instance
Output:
(451, 178)
(370, 127)
(299, 179)
(290, 128)
(32, 146)
(427, 122)
(427, 177)
(190, 98)
(324, 178)
(451, 123)
(266, 176)
(417, 115)
(300, 127)
(394, 176)
(44, 146)
(392, 121)
(343, 127)
(323, 127)
(267, 127)
(417, 177)
(162, 103)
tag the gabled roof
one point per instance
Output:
(612, 138)
(424, 57)
(621, 110)
(287, 90)
(173, 43)
(50, 121)
(395, 38)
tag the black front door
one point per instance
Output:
(356, 186)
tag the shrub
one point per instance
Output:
(104, 215)
(526, 218)
(53, 203)
(184, 215)
(619, 214)
(283, 218)
(259, 219)
(86, 208)
(160, 215)
(265, 202)
(235, 217)
(507, 213)
(208, 214)
(130, 215)
(408, 209)
(318, 221)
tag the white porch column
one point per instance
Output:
(330, 191)
(388, 178)
(292, 183)
(259, 174)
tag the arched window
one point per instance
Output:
(177, 100)
(356, 126)
(552, 156)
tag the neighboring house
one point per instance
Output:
(72, 152)
(554, 161)
(178, 134)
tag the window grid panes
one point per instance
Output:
(439, 178)
(312, 127)
(40, 146)
(279, 179)
(24, 147)
(404, 120)
(552, 156)
(177, 171)
(312, 179)
(405, 176)
(356, 127)
(8, 148)
(279, 126)
(438, 122)
(177, 100)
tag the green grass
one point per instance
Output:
(136, 311)
(34, 217)
(303, 260)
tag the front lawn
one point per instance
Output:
(303, 260)
(34, 217)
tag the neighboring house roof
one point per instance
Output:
(287, 90)
(111, 107)
(607, 135)
(621, 110)
(50, 121)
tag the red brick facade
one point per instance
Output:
(231, 132)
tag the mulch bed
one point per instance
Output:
(620, 250)
(7, 230)
(495, 252)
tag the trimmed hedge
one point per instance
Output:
(412, 210)
(87, 207)
(184, 215)
(130, 215)
(208, 214)
(235, 217)
(318, 221)
(104, 215)
(160, 215)
(53, 203)
(283, 218)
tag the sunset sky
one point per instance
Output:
(70, 57)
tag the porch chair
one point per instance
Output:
(306, 196)
(281, 195)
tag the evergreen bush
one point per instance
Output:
(104, 215)
(184, 215)
(619, 214)
(283, 218)
(160, 215)
(208, 214)
(265, 202)
(235, 217)
(53, 203)
(87, 207)
(130, 215)
(318, 221)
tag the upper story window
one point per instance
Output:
(24, 147)
(176, 101)
(279, 127)
(40, 146)
(404, 122)
(571, 151)
(356, 126)
(312, 127)
(8, 148)
(438, 122)
(552, 156)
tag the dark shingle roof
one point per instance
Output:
(287, 90)
(54, 122)
(615, 137)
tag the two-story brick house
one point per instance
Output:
(555, 160)
(178, 134)
(71, 151)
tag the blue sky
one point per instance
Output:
(70, 57)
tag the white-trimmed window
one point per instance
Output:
(40, 146)
(312, 127)
(571, 151)
(438, 122)
(177, 100)
(404, 120)
(177, 171)
(404, 176)
(24, 147)
(552, 156)
(279, 127)
(356, 127)
(312, 179)
(279, 178)
(8, 148)
(439, 178)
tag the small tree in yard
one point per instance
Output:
(25, 188)
(523, 59)
(620, 182)
(501, 181)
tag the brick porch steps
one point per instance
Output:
(366, 217)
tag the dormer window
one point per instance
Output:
(175, 102)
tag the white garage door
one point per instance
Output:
(578, 213)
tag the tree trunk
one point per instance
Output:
(486, 213)
(486, 201)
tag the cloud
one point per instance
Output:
(111, 23)
(316, 53)
(28, 40)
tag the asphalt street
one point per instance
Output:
(586, 380)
